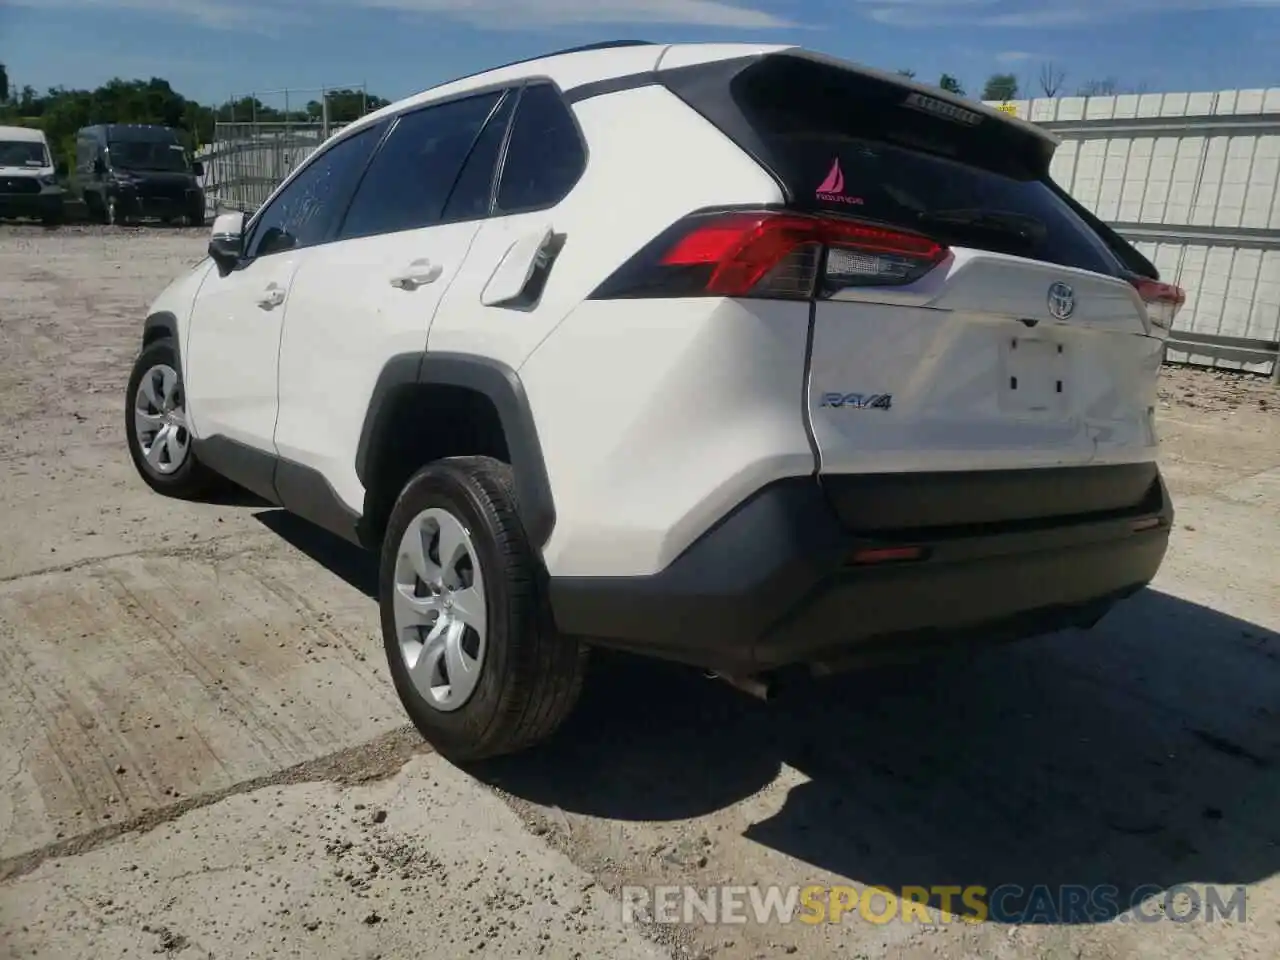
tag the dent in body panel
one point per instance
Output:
(675, 416)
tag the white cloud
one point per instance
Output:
(491, 14)
(1032, 13)
(1014, 56)
(210, 13)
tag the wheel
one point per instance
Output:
(156, 426)
(54, 218)
(111, 216)
(473, 653)
(196, 219)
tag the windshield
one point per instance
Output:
(23, 153)
(147, 155)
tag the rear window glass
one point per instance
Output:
(854, 144)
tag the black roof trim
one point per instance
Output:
(586, 47)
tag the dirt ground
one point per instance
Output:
(201, 755)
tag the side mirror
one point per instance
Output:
(226, 244)
(197, 169)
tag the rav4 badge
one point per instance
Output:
(858, 401)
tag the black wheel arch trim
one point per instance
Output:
(490, 378)
(160, 324)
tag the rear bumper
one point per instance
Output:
(773, 584)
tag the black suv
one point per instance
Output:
(130, 171)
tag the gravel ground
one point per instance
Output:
(200, 753)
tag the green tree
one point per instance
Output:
(950, 84)
(61, 112)
(1000, 86)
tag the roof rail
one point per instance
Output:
(600, 45)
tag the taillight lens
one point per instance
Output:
(772, 254)
(1163, 300)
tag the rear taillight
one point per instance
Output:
(773, 255)
(1163, 300)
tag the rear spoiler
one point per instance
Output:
(933, 93)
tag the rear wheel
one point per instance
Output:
(156, 426)
(469, 639)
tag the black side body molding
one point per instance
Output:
(502, 386)
(283, 483)
(246, 466)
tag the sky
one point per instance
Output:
(213, 50)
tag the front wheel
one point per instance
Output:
(156, 426)
(475, 658)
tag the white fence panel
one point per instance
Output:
(1193, 180)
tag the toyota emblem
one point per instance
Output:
(1062, 301)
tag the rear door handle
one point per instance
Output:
(417, 274)
(272, 297)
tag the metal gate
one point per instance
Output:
(246, 161)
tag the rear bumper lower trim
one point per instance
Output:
(770, 585)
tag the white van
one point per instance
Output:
(28, 176)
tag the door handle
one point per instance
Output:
(272, 297)
(417, 274)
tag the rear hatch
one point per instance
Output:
(967, 315)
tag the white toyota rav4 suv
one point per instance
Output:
(735, 355)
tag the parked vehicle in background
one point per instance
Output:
(127, 172)
(29, 177)
(740, 356)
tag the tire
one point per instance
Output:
(54, 218)
(527, 677)
(182, 476)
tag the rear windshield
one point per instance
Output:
(845, 142)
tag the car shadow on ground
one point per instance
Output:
(1127, 760)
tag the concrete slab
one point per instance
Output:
(426, 864)
(130, 683)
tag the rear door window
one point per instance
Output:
(545, 155)
(473, 192)
(411, 176)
